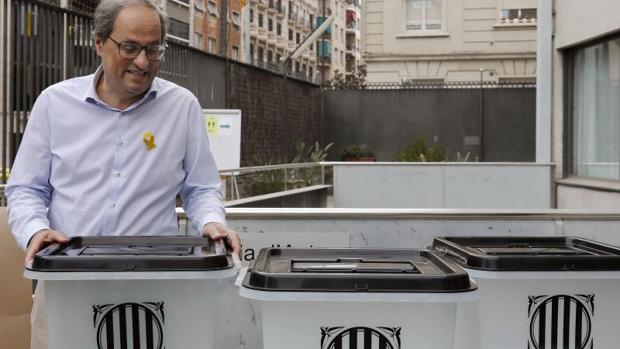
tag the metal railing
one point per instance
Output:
(259, 180)
(246, 182)
(420, 85)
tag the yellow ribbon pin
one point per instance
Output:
(149, 140)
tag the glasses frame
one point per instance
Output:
(163, 46)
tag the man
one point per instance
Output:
(106, 154)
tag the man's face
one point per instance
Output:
(127, 78)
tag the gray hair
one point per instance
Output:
(107, 11)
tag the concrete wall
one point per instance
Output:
(388, 120)
(576, 23)
(472, 37)
(442, 185)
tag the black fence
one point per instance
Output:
(43, 44)
(492, 121)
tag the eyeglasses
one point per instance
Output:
(131, 50)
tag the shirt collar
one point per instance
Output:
(91, 92)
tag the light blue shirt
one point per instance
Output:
(84, 168)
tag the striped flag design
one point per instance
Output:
(360, 338)
(561, 322)
(129, 325)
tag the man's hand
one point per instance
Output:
(42, 239)
(217, 231)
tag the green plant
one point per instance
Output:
(355, 81)
(271, 181)
(265, 182)
(307, 176)
(357, 151)
(419, 151)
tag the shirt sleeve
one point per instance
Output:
(201, 192)
(28, 190)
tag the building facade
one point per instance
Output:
(332, 46)
(353, 37)
(449, 40)
(585, 103)
(277, 27)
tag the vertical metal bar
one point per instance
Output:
(481, 116)
(19, 78)
(285, 179)
(6, 7)
(322, 174)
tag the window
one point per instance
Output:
(594, 89)
(270, 25)
(199, 41)
(260, 20)
(279, 29)
(212, 47)
(212, 9)
(261, 53)
(518, 15)
(178, 30)
(200, 5)
(236, 20)
(290, 34)
(297, 38)
(235, 53)
(278, 58)
(251, 15)
(269, 56)
(424, 14)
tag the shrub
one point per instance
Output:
(419, 151)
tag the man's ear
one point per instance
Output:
(99, 41)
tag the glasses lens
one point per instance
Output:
(155, 52)
(129, 50)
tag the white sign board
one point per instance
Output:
(224, 129)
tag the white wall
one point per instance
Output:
(442, 185)
(578, 22)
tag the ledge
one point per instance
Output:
(276, 195)
(515, 25)
(422, 34)
(590, 183)
(442, 164)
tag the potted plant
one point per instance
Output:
(358, 152)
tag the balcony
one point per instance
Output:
(353, 28)
(281, 41)
(326, 61)
(275, 6)
(271, 35)
(352, 49)
(292, 17)
(262, 4)
(262, 33)
(281, 12)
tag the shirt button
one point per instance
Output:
(117, 174)
(121, 143)
(113, 205)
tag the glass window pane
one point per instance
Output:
(414, 14)
(433, 14)
(596, 110)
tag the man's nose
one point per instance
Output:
(141, 60)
